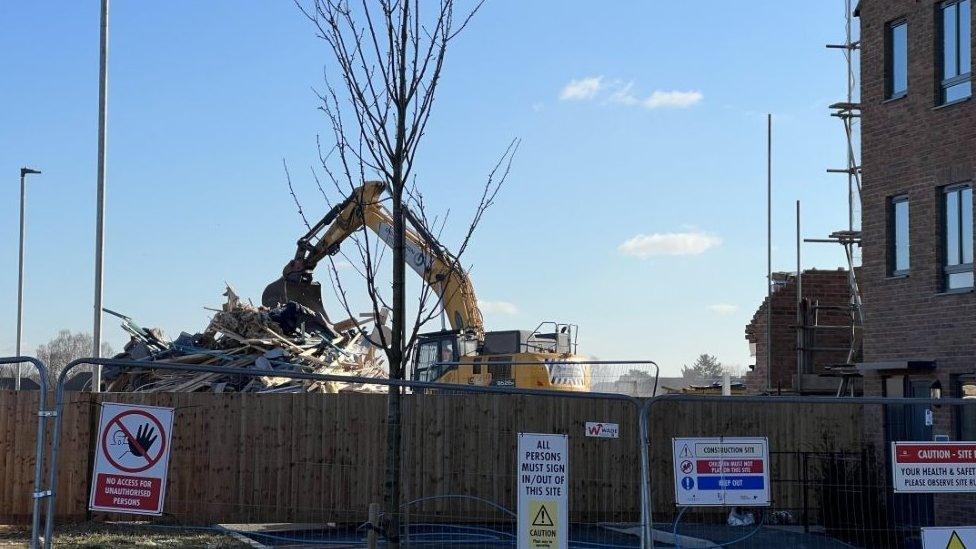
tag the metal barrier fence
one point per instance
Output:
(40, 449)
(317, 462)
(320, 459)
(831, 470)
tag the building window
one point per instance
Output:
(957, 237)
(896, 64)
(898, 240)
(956, 50)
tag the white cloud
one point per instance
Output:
(723, 309)
(498, 307)
(582, 89)
(672, 99)
(689, 243)
(659, 99)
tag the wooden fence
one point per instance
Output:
(314, 458)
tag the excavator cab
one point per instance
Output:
(435, 354)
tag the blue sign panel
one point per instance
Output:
(731, 483)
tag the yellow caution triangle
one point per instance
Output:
(955, 542)
(542, 518)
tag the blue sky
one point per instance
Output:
(641, 122)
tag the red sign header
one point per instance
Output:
(935, 453)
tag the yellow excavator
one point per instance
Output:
(543, 358)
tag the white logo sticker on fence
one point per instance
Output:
(959, 537)
(543, 491)
(131, 459)
(602, 430)
(721, 471)
(930, 467)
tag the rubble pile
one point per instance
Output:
(287, 338)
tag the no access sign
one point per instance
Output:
(131, 459)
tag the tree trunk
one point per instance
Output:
(396, 357)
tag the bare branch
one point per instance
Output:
(291, 189)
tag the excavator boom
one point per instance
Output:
(423, 253)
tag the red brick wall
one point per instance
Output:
(908, 147)
(911, 147)
(827, 288)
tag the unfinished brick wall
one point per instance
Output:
(912, 146)
(828, 288)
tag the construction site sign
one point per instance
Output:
(131, 459)
(932, 467)
(543, 491)
(721, 471)
(960, 537)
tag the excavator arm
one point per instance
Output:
(422, 252)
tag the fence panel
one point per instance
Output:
(830, 472)
(461, 470)
(289, 468)
(23, 427)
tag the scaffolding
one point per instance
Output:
(849, 112)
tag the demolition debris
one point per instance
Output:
(287, 338)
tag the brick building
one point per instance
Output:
(919, 160)
(918, 141)
(826, 303)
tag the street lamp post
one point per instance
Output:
(24, 172)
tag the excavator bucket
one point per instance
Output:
(304, 293)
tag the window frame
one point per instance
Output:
(889, 75)
(947, 269)
(943, 83)
(893, 270)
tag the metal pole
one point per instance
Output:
(20, 271)
(100, 215)
(20, 280)
(769, 252)
(800, 325)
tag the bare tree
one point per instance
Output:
(388, 58)
(65, 348)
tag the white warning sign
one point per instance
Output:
(131, 459)
(543, 491)
(721, 471)
(931, 467)
(958, 537)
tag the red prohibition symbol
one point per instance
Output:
(150, 461)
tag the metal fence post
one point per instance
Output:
(42, 414)
(647, 511)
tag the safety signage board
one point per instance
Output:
(721, 471)
(959, 537)
(131, 459)
(543, 491)
(602, 430)
(930, 467)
